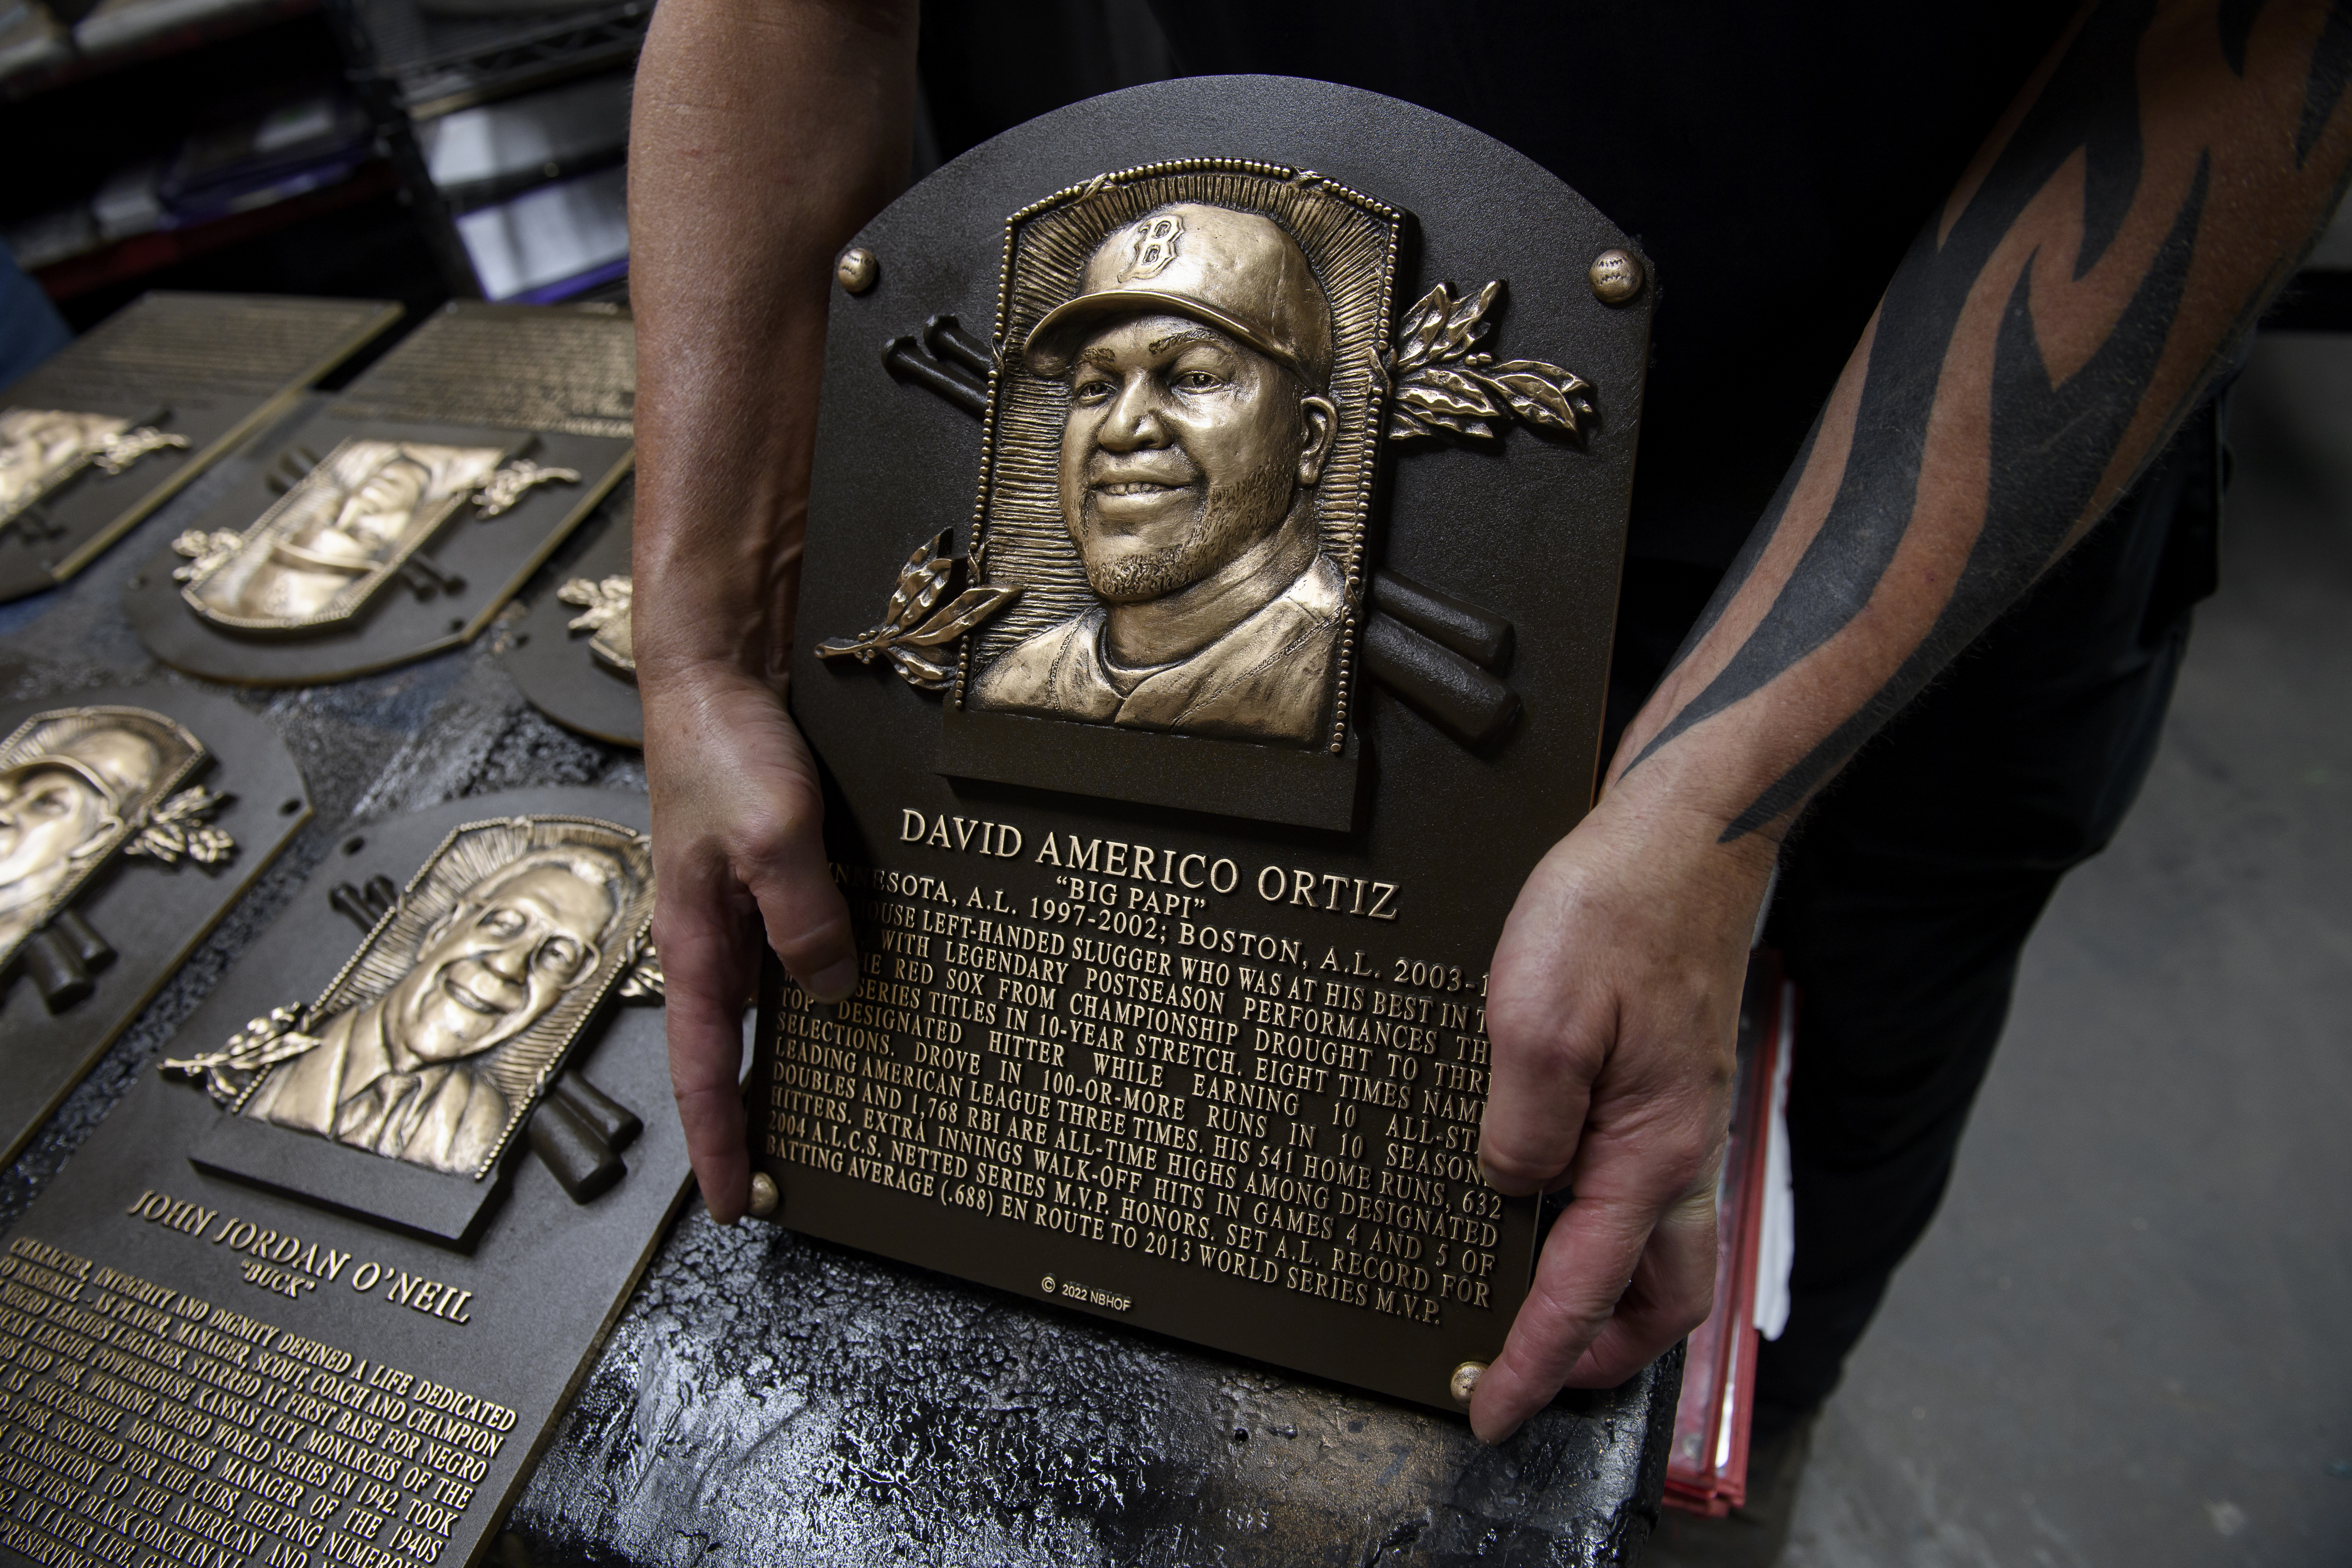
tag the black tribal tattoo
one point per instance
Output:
(2052, 442)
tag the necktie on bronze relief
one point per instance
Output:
(380, 1117)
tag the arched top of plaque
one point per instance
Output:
(1198, 574)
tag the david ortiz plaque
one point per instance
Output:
(1207, 610)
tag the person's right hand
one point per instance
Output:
(739, 853)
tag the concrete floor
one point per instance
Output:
(2128, 1338)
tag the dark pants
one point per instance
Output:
(1909, 888)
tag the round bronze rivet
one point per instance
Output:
(765, 1197)
(857, 269)
(1464, 1381)
(1616, 277)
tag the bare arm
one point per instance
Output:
(764, 133)
(2111, 244)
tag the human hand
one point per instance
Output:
(1612, 1009)
(739, 852)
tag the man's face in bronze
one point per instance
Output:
(46, 812)
(381, 508)
(50, 436)
(508, 956)
(34, 445)
(1181, 449)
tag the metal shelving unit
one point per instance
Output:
(508, 135)
(137, 114)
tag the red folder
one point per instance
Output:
(1706, 1471)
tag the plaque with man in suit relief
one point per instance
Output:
(318, 1288)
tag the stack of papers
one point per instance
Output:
(550, 243)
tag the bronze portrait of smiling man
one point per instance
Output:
(407, 1073)
(1197, 351)
(74, 783)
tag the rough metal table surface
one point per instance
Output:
(770, 1400)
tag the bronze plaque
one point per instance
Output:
(1180, 811)
(573, 656)
(129, 822)
(197, 1370)
(438, 1037)
(398, 519)
(112, 427)
(334, 539)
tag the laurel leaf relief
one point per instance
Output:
(1441, 385)
(915, 618)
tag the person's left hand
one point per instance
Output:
(1612, 1009)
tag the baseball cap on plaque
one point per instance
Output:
(1240, 272)
(1215, 572)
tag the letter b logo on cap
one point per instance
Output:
(1155, 247)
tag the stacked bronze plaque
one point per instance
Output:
(573, 656)
(396, 521)
(109, 429)
(129, 822)
(1205, 622)
(317, 1292)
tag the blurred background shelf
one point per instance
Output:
(49, 56)
(507, 126)
(455, 54)
(200, 144)
(457, 148)
(136, 259)
(491, 136)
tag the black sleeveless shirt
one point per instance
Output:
(1774, 158)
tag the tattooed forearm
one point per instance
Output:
(2329, 63)
(2032, 506)
(2042, 336)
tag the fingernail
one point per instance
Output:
(1497, 1439)
(834, 981)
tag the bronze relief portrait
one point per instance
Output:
(328, 545)
(438, 1036)
(76, 786)
(40, 448)
(1181, 450)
